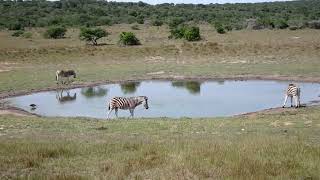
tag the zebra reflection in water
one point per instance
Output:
(62, 98)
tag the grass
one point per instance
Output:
(283, 145)
(32, 62)
(272, 146)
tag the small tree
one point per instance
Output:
(55, 32)
(128, 38)
(92, 35)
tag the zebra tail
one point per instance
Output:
(109, 107)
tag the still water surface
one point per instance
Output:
(167, 99)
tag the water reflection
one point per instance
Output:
(91, 92)
(193, 87)
(220, 82)
(65, 97)
(129, 88)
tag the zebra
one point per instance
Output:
(64, 74)
(127, 103)
(293, 91)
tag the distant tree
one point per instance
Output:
(128, 38)
(55, 32)
(92, 35)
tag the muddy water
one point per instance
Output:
(167, 99)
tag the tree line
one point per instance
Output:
(17, 14)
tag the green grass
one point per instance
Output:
(272, 146)
(266, 146)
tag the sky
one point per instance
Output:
(198, 1)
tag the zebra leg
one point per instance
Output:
(285, 101)
(109, 113)
(131, 112)
(116, 112)
(296, 101)
(291, 97)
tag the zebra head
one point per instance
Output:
(144, 100)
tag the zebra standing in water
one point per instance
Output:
(127, 103)
(293, 91)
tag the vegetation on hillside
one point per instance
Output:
(16, 15)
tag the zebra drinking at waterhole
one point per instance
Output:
(64, 74)
(127, 103)
(293, 91)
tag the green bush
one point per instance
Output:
(282, 24)
(27, 35)
(55, 32)
(17, 33)
(128, 38)
(175, 22)
(92, 35)
(15, 26)
(220, 30)
(177, 32)
(190, 33)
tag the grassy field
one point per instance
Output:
(280, 145)
(31, 63)
(265, 146)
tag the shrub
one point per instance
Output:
(55, 32)
(128, 38)
(15, 26)
(174, 22)
(157, 23)
(17, 33)
(220, 30)
(27, 35)
(177, 32)
(135, 27)
(282, 24)
(92, 35)
(190, 33)
(228, 27)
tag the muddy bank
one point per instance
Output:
(6, 109)
(160, 77)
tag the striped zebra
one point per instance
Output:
(293, 91)
(127, 103)
(64, 74)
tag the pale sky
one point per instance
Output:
(199, 1)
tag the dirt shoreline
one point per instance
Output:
(5, 95)
(7, 109)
